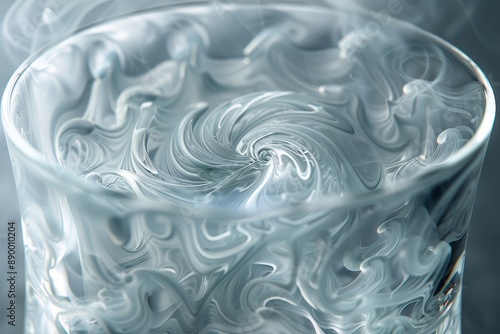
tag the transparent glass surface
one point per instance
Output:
(232, 168)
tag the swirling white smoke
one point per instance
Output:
(253, 109)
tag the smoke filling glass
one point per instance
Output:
(234, 168)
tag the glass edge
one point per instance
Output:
(16, 142)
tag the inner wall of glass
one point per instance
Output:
(246, 108)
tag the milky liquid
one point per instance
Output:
(246, 110)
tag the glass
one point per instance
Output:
(231, 168)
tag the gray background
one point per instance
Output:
(478, 35)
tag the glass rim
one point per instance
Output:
(428, 177)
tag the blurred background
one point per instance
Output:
(472, 26)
